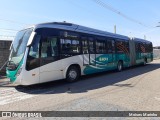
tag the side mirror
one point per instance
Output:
(31, 38)
(11, 65)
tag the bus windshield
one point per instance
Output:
(19, 45)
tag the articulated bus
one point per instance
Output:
(60, 50)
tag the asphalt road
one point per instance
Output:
(133, 89)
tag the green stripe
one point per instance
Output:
(12, 74)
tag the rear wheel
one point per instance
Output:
(145, 61)
(119, 66)
(72, 74)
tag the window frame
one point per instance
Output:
(123, 43)
(50, 59)
(101, 41)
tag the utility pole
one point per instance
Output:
(115, 29)
(145, 37)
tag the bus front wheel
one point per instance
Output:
(72, 74)
(119, 66)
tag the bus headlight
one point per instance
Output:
(19, 71)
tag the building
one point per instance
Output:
(157, 47)
(4, 53)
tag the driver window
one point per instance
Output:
(34, 49)
(33, 55)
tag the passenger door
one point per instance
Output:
(88, 49)
(85, 51)
(92, 55)
(111, 52)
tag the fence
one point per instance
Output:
(4, 54)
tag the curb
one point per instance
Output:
(4, 80)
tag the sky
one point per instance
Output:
(17, 14)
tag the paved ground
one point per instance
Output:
(134, 89)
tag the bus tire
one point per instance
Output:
(119, 66)
(145, 61)
(73, 74)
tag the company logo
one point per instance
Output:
(6, 114)
(103, 59)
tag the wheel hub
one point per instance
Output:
(72, 74)
(119, 66)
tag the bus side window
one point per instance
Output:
(65, 46)
(127, 46)
(150, 48)
(91, 43)
(109, 46)
(49, 50)
(141, 47)
(100, 47)
(113, 46)
(120, 46)
(49, 47)
(85, 46)
(75, 46)
(69, 47)
(137, 47)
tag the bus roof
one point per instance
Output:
(79, 28)
(140, 40)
